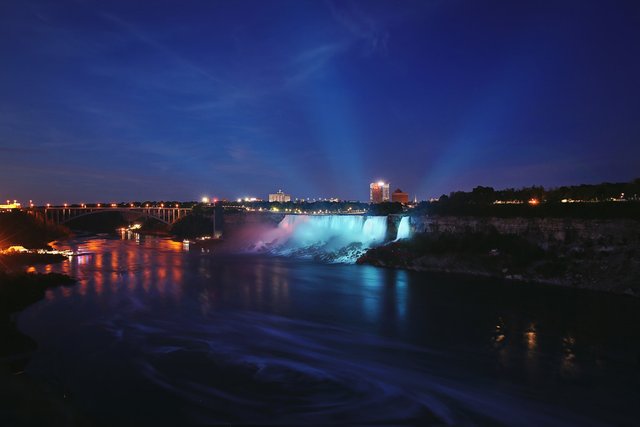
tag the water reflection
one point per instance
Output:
(531, 338)
(371, 279)
(498, 337)
(569, 366)
(226, 334)
(401, 294)
(105, 265)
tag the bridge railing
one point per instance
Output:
(62, 214)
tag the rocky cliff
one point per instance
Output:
(595, 254)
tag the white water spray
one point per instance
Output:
(335, 238)
(404, 228)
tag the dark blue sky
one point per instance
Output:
(127, 100)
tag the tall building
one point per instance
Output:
(279, 197)
(379, 192)
(400, 196)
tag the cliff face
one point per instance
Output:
(545, 231)
(596, 254)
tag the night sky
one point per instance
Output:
(150, 100)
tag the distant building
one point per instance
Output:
(379, 192)
(10, 206)
(400, 196)
(279, 197)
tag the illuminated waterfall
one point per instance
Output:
(334, 238)
(404, 228)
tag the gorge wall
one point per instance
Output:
(577, 233)
(601, 254)
(584, 253)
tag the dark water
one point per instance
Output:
(155, 335)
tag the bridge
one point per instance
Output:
(64, 214)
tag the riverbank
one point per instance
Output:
(18, 291)
(34, 401)
(18, 261)
(604, 262)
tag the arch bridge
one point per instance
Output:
(62, 215)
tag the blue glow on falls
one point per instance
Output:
(404, 228)
(333, 238)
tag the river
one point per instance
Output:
(154, 334)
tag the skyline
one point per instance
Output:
(601, 192)
(228, 99)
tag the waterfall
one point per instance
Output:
(404, 228)
(374, 229)
(334, 238)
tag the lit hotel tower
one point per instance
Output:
(379, 192)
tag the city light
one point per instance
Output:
(205, 200)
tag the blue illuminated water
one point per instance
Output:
(334, 238)
(153, 335)
(404, 228)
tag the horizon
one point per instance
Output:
(122, 101)
(295, 199)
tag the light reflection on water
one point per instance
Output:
(255, 339)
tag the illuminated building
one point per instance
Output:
(9, 206)
(279, 197)
(400, 196)
(379, 192)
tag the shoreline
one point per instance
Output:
(19, 389)
(579, 264)
(512, 279)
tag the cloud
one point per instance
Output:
(361, 26)
(312, 62)
(147, 39)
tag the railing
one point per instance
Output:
(63, 214)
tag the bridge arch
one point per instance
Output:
(167, 216)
